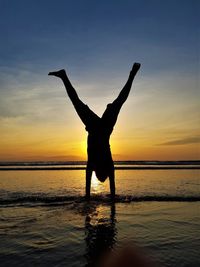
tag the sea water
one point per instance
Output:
(45, 220)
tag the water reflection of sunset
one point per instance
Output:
(96, 186)
(95, 183)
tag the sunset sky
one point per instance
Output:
(97, 42)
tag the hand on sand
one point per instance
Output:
(135, 68)
(60, 73)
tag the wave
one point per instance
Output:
(64, 200)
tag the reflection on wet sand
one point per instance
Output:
(100, 233)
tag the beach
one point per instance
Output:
(45, 220)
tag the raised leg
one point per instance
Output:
(86, 115)
(111, 113)
(123, 95)
(88, 182)
(68, 86)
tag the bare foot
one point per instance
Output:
(60, 73)
(135, 68)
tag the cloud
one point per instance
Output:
(184, 141)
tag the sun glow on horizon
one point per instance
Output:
(160, 119)
(95, 182)
(96, 185)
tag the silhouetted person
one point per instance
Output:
(99, 130)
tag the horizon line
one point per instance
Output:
(85, 161)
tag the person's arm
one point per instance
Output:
(88, 182)
(112, 184)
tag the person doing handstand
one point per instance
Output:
(99, 130)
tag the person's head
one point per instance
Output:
(101, 173)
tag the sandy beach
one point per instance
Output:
(44, 218)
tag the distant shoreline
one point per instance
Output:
(116, 168)
(81, 165)
(117, 162)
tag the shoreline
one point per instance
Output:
(41, 168)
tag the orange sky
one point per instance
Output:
(154, 124)
(97, 44)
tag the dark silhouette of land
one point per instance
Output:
(99, 130)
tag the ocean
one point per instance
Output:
(45, 220)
